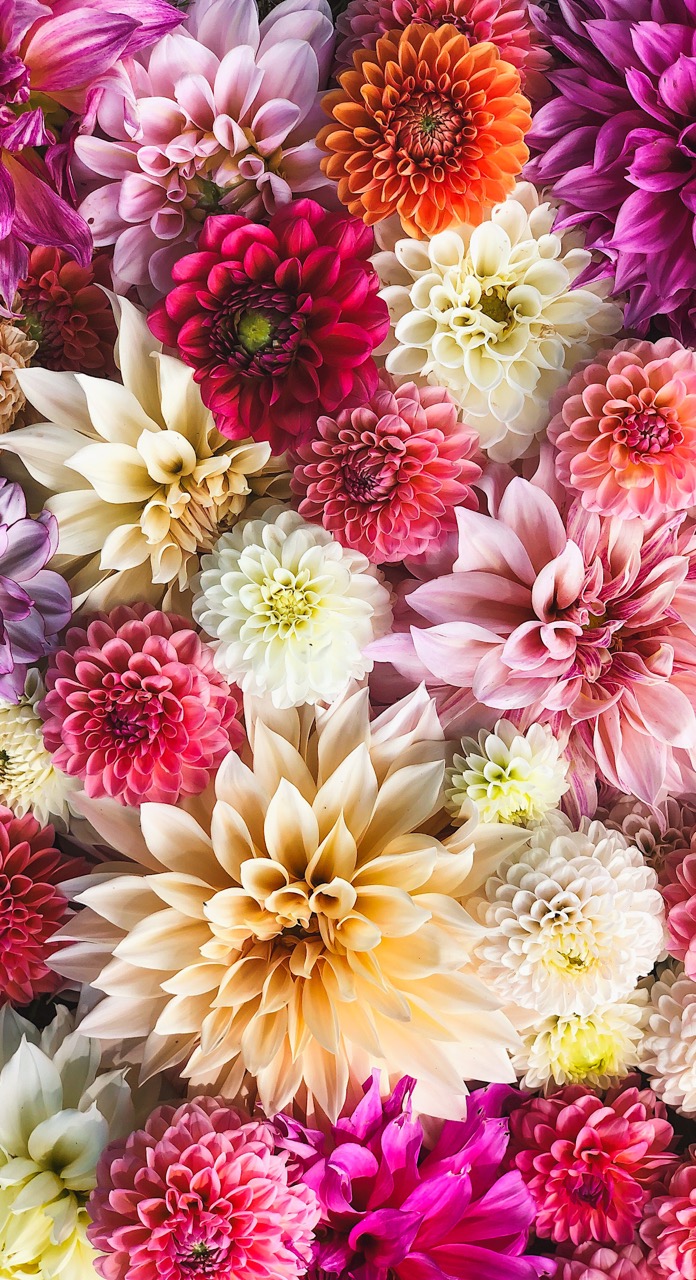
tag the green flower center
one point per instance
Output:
(254, 331)
(494, 305)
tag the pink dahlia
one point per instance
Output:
(598, 1262)
(32, 906)
(670, 1225)
(384, 478)
(591, 1166)
(625, 429)
(679, 893)
(220, 117)
(279, 322)
(135, 707)
(200, 1191)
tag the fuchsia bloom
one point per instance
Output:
(200, 1191)
(279, 322)
(32, 906)
(597, 1262)
(394, 1207)
(135, 707)
(625, 429)
(591, 1166)
(670, 1225)
(384, 478)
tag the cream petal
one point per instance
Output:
(86, 523)
(125, 547)
(275, 759)
(336, 855)
(319, 1012)
(262, 1039)
(164, 941)
(119, 1019)
(44, 450)
(115, 471)
(291, 830)
(186, 893)
(195, 979)
(407, 798)
(237, 786)
(31, 1089)
(124, 900)
(181, 405)
(58, 398)
(183, 1015)
(178, 842)
(119, 827)
(351, 790)
(135, 349)
(231, 839)
(70, 1144)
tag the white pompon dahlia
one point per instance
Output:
(669, 1048)
(491, 314)
(29, 780)
(573, 920)
(511, 776)
(290, 611)
(595, 1050)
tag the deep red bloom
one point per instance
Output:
(66, 312)
(279, 321)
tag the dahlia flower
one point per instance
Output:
(290, 610)
(490, 312)
(596, 633)
(618, 152)
(593, 1262)
(679, 893)
(573, 920)
(505, 23)
(669, 1048)
(595, 1049)
(665, 833)
(220, 117)
(510, 776)
(591, 1166)
(395, 1206)
(279, 322)
(58, 1114)
(67, 313)
(669, 1228)
(140, 479)
(201, 1190)
(29, 780)
(426, 126)
(384, 478)
(16, 350)
(32, 906)
(307, 945)
(135, 708)
(625, 430)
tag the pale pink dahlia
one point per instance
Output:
(625, 429)
(598, 1262)
(670, 1225)
(591, 1166)
(200, 1191)
(384, 478)
(679, 893)
(136, 708)
(223, 120)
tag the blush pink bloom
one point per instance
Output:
(598, 1262)
(591, 1166)
(669, 1228)
(679, 893)
(223, 120)
(625, 429)
(200, 1191)
(135, 707)
(385, 478)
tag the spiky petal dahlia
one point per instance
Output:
(669, 1228)
(135, 707)
(384, 478)
(279, 322)
(593, 1262)
(591, 1166)
(66, 312)
(426, 126)
(625, 430)
(200, 1191)
(308, 929)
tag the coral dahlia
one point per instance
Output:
(669, 1228)
(279, 322)
(593, 1262)
(66, 312)
(427, 126)
(135, 707)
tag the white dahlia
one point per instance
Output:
(597, 1049)
(491, 314)
(510, 776)
(573, 920)
(29, 781)
(290, 611)
(669, 1047)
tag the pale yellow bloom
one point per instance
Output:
(597, 1049)
(510, 776)
(29, 781)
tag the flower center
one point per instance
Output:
(590, 1189)
(288, 606)
(254, 330)
(427, 127)
(259, 330)
(494, 305)
(647, 431)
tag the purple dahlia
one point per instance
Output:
(617, 144)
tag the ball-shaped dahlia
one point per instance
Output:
(32, 906)
(200, 1191)
(591, 1166)
(598, 1262)
(136, 708)
(66, 312)
(509, 775)
(279, 322)
(29, 779)
(16, 352)
(669, 1228)
(426, 126)
(384, 478)
(665, 833)
(625, 430)
(597, 1049)
(669, 1048)
(679, 893)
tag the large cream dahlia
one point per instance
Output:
(491, 313)
(302, 924)
(141, 481)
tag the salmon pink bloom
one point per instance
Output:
(669, 1228)
(593, 1262)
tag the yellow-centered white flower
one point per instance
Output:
(597, 1049)
(510, 776)
(29, 781)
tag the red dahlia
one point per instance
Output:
(66, 312)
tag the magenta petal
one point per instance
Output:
(41, 217)
(70, 50)
(7, 202)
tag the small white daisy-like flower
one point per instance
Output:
(669, 1047)
(29, 781)
(491, 313)
(573, 920)
(290, 611)
(511, 776)
(595, 1050)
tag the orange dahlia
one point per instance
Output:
(428, 126)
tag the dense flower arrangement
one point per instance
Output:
(347, 640)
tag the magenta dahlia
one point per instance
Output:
(591, 1166)
(279, 322)
(200, 1191)
(384, 478)
(136, 708)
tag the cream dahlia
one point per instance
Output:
(141, 480)
(510, 776)
(573, 920)
(491, 314)
(304, 929)
(29, 779)
(669, 1048)
(596, 1049)
(289, 609)
(16, 350)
